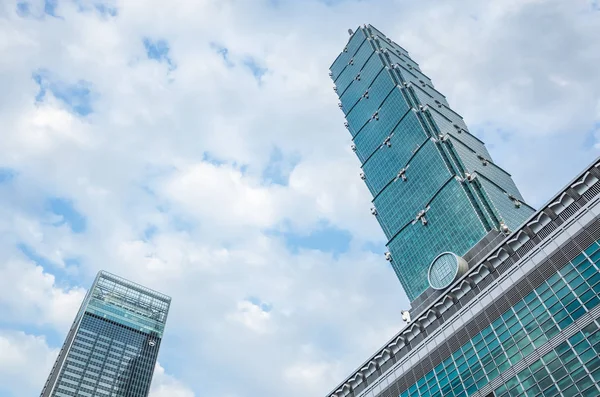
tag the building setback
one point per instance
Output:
(112, 346)
(509, 311)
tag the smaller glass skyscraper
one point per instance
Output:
(112, 346)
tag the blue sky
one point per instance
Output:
(198, 149)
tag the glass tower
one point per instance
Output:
(518, 314)
(112, 346)
(435, 187)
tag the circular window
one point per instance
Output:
(152, 342)
(445, 269)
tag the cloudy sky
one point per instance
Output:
(195, 146)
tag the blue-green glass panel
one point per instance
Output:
(127, 305)
(492, 172)
(359, 87)
(391, 48)
(513, 216)
(399, 203)
(427, 92)
(124, 317)
(355, 64)
(364, 110)
(446, 126)
(452, 226)
(342, 60)
(378, 34)
(383, 166)
(404, 61)
(553, 377)
(373, 134)
(427, 97)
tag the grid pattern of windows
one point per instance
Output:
(491, 171)
(374, 31)
(404, 61)
(112, 347)
(452, 226)
(359, 85)
(362, 112)
(526, 326)
(399, 203)
(378, 35)
(513, 216)
(362, 55)
(427, 97)
(427, 92)
(446, 126)
(342, 60)
(355, 64)
(376, 131)
(408, 64)
(108, 359)
(384, 44)
(572, 369)
(392, 48)
(383, 166)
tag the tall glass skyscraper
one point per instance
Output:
(112, 346)
(435, 187)
(509, 303)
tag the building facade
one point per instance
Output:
(516, 314)
(435, 187)
(112, 346)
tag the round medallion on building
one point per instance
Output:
(445, 269)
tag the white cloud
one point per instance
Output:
(28, 294)
(522, 73)
(164, 385)
(226, 199)
(251, 316)
(24, 363)
(222, 196)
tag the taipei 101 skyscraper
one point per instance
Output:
(505, 300)
(435, 187)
